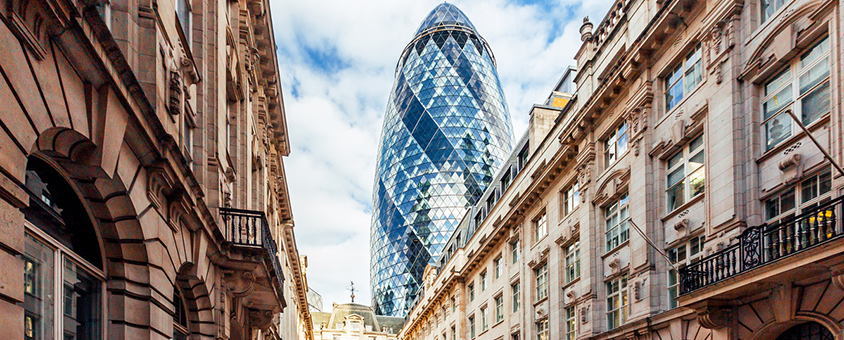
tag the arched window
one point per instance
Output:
(180, 316)
(806, 331)
(63, 267)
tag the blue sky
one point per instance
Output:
(337, 61)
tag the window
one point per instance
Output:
(453, 304)
(573, 261)
(540, 227)
(471, 292)
(180, 318)
(615, 145)
(768, 8)
(616, 217)
(499, 308)
(683, 79)
(806, 79)
(484, 324)
(472, 327)
(571, 332)
(571, 198)
(505, 180)
(514, 251)
(686, 174)
(490, 201)
(541, 275)
(187, 138)
(183, 12)
(515, 336)
(496, 267)
(453, 333)
(542, 329)
(483, 281)
(809, 192)
(617, 302)
(516, 296)
(524, 155)
(681, 256)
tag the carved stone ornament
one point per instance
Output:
(241, 283)
(681, 224)
(584, 176)
(584, 311)
(713, 317)
(838, 278)
(261, 319)
(615, 264)
(175, 103)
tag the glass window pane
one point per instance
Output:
(815, 104)
(816, 51)
(676, 196)
(772, 208)
(83, 303)
(779, 81)
(693, 77)
(697, 182)
(696, 143)
(824, 182)
(776, 103)
(696, 161)
(814, 76)
(674, 160)
(777, 130)
(787, 201)
(38, 289)
(675, 177)
(810, 189)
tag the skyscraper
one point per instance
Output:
(446, 132)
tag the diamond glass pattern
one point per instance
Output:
(446, 133)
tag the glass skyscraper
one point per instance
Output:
(446, 133)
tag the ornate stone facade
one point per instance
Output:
(703, 210)
(141, 164)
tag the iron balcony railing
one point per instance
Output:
(764, 244)
(249, 229)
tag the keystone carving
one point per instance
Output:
(175, 103)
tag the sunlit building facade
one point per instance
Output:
(445, 134)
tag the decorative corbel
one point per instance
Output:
(712, 317)
(681, 224)
(239, 283)
(261, 319)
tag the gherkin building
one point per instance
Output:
(446, 133)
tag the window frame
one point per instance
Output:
(484, 322)
(472, 326)
(570, 198)
(571, 322)
(516, 294)
(617, 291)
(540, 277)
(683, 70)
(515, 251)
(540, 226)
(616, 144)
(798, 191)
(572, 261)
(471, 289)
(542, 329)
(684, 165)
(688, 256)
(618, 208)
(795, 101)
(185, 32)
(482, 279)
(497, 267)
(499, 308)
(61, 255)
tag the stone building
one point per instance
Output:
(351, 321)
(680, 130)
(142, 185)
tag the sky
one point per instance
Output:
(337, 60)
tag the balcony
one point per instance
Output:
(251, 247)
(769, 245)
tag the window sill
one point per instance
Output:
(684, 206)
(567, 285)
(822, 120)
(538, 242)
(540, 301)
(673, 110)
(566, 216)
(497, 323)
(616, 249)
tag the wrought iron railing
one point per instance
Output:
(764, 244)
(249, 229)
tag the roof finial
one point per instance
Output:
(352, 289)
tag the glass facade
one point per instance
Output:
(446, 133)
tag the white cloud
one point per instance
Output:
(337, 60)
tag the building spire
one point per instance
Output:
(352, 289)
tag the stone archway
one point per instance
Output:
(806, 331)
(111, 209)
(198, 299)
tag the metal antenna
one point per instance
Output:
(809, 134)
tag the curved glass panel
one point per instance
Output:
(446, 133)
(445, 14)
